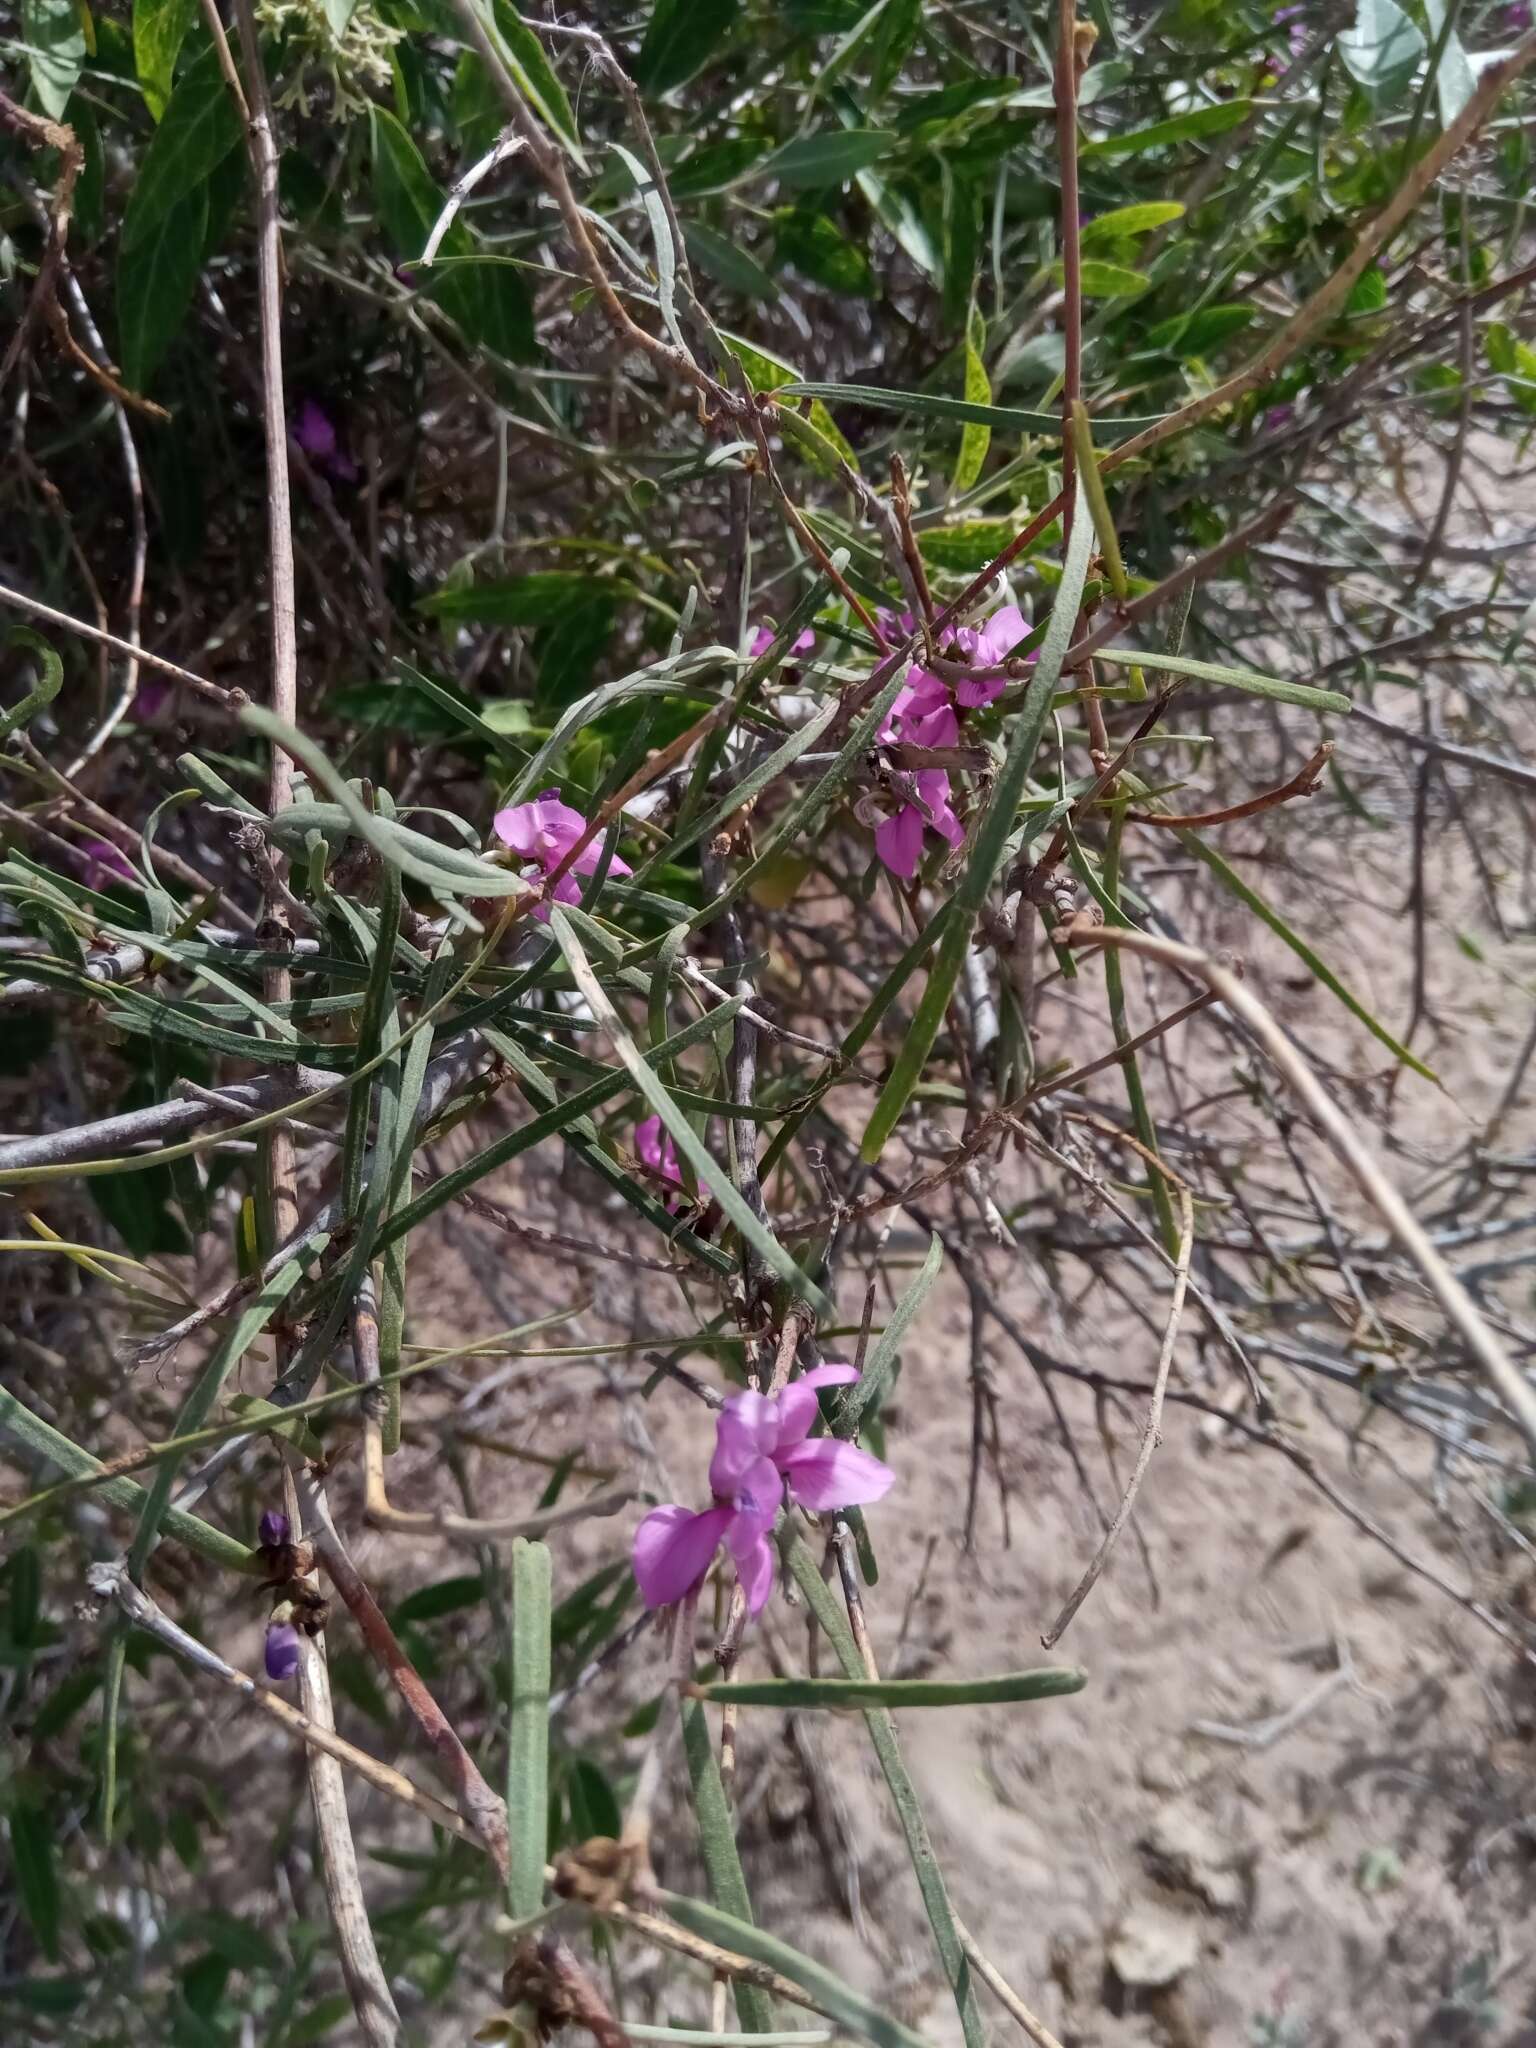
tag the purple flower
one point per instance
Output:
(1297, 31)
(1278, 417)
(314, 431)
(282, 1654)
(899, 839)
(989, 646)
(272, 1530)
(762, 640)
(102, 864)
(762, 1445)
(1517, 18)
(545, 830)
(151, 696)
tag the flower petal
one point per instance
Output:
(518, 827)
(753, 1557)
(746, 1431)
(979, 691)
(1003, 632)
(827, 1473)
(899, 841)
(798, 1406)
(672, 1551)
(282, 1651)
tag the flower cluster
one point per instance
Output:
(544, 831)
(926, 713)
(763, 1446)
(346, 66)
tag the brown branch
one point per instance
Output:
(482, 1808)
(230, 700)
(1303, 783)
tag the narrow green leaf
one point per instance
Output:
(832, 1995)
(533, 600)
(1101, 280)
(523, 55)
(649, 1084)
(843, 1694)
(975, 438)
(528, 1741)
(727, 262)
(1010, 419)
(1192, 842)
(882, 1734)
(831, 157)
(882, 1360)
(1123, 221)
(1191, 127)
(37, 1877)
(722, 1864)
(1246, 679)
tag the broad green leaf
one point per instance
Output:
(819, 249)
(1455, 80)
(528, 1741)
(933, 405)
(36, 1874)
(966, 545)
(1514, 361)
(1383, 49)
(532, 600)
(1368, 294)
(975, 437)
(892, 45)
(155, 283)
(680, 39)
(1247, 679)
(844, 1694)
(1101, 280)
(1191, 127)
(489, 303)
(199, 128)
(1191, 334)
(765, 372)
(55, 40)
(159, 29)
(523, 54)
(1122, 221)
(829, 158)
(727, 262)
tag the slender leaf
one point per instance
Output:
(934, 405)
(1246, 679)
(680, 39)
(528, 1742)
(159, 29)
(722, 1865)
(829, 158)
(843, 1694)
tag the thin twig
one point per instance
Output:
(1150, 1437)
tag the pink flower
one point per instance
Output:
(151, 696)
(762, 1445)
(762, 640)
(545, 830)
(657, 1150)
(929, 718)
(989, 646)
(899, 839)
